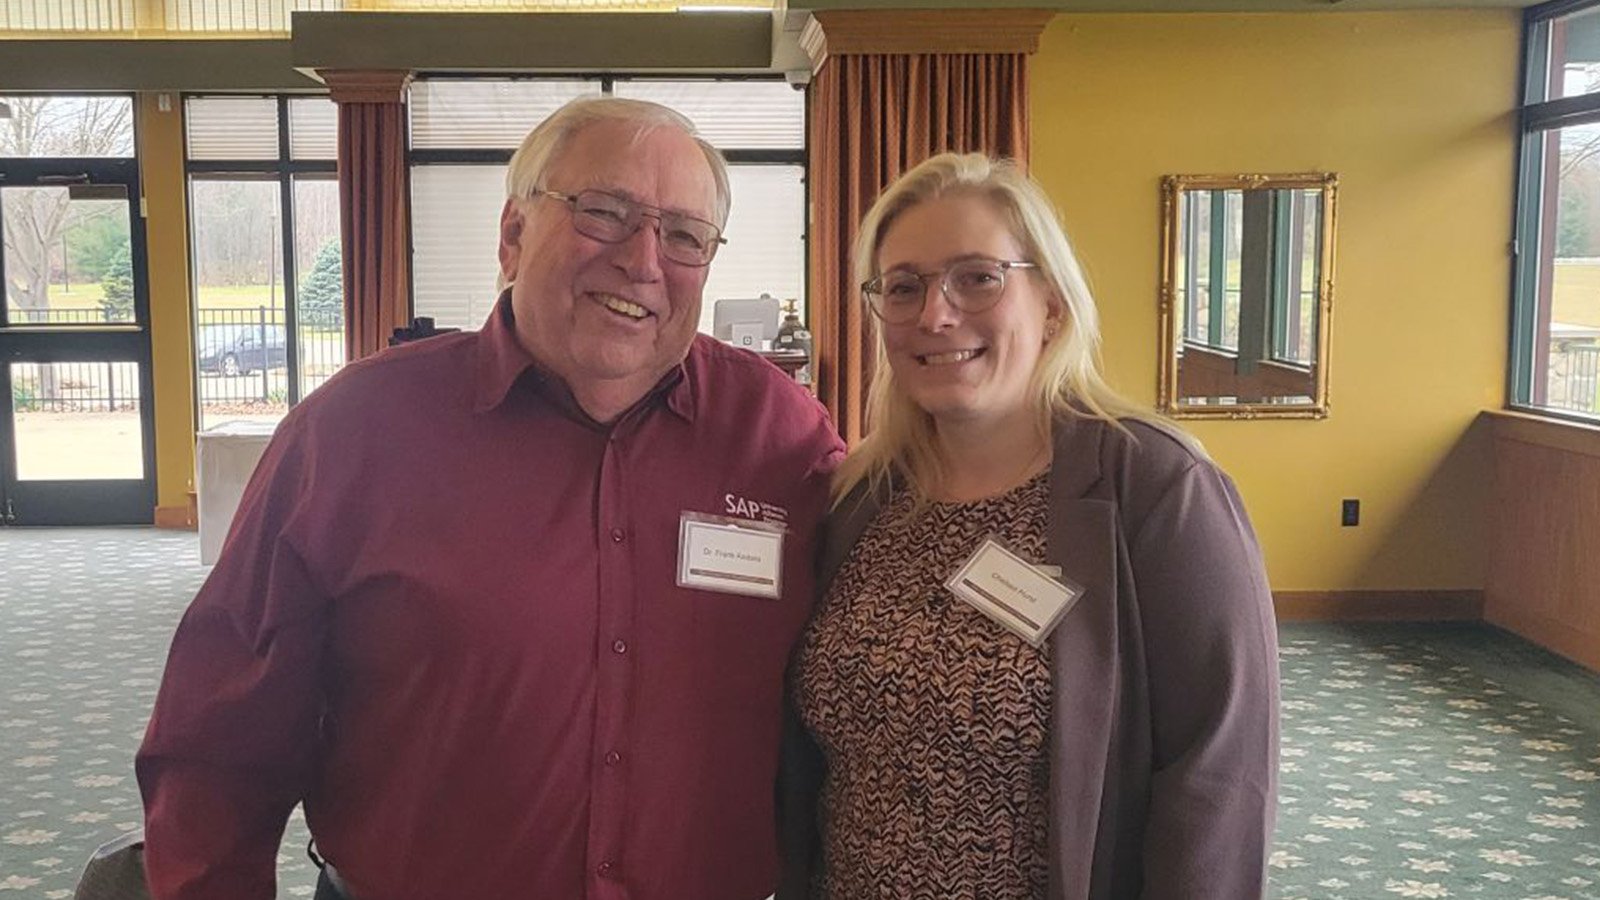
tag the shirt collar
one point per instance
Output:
(503, 361)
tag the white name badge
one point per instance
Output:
(735, 556)
(1014, 592)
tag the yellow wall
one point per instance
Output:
(1415, 112)
(161, 167)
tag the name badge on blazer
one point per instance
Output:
(734, 556)
(1019, 596)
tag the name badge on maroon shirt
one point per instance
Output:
(735, 556)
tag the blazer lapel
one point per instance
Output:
(1082, 540)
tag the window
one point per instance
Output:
(1555, 352)
(67, 245)
(1211, 238)
(266, 261)
(463, 132)
(1246, 278)
(75, 424)
(1296, 248)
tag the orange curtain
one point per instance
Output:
(374, 207)
(873, 117)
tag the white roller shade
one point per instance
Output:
(232, 127)
(485, 114)
(313, 128)
(766, 244)
(455, 230)
(748, 115)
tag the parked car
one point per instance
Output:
(238, 349)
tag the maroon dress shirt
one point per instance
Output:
(447, 619)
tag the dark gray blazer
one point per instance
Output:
(1164, 726)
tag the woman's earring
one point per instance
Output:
(1050, 329)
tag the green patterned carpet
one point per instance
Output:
(1417, 762)
(1420, 761)
(85, 620)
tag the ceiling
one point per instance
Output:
(1126, 6)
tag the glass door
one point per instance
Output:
(76, 437)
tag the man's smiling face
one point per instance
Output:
(608, 314)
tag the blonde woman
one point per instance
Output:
(1099, 720)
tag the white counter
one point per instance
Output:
(225, 457)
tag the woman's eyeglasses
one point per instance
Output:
(971, 285)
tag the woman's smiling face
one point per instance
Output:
(960, 366)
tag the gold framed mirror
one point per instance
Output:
(1256, 346)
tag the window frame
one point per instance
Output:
(1288, 279)
(1539, 117)
(283, 171)
(1207, 331)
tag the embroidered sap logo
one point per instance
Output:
(744, 508)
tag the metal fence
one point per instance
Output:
(242, 356)
(66, 317)
(74, 387)
(1575, 377)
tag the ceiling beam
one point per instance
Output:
(464, 42)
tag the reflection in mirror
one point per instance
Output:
(1246, 295)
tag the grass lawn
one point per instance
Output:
(81, 296)
(1577, 294)
(246, 296)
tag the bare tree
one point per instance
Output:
(34, 217)
(1577, 148)
(236, 238)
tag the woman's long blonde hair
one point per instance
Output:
(901, 442)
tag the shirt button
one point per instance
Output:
(606, 869)
(613, 758)
(619, 646)
(616, 535)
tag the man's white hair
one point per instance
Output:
(544, 144)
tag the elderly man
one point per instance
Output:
(510, 610)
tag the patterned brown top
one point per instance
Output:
(933, 718)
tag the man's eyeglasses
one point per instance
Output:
(971, 285)
(611, 219)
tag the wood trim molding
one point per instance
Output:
(177, 517)
(906, 31)
(1378, 606)
(1541, 431)
(1552, 634)
(366, 85)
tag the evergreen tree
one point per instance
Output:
(94, 241)
(321, 294)
(117, 304)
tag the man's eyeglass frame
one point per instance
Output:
(636, 213)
